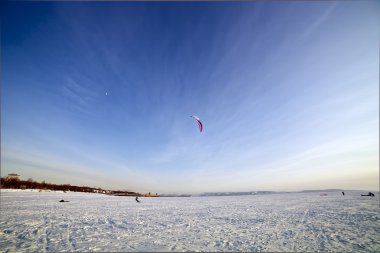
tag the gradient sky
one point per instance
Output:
(100, 94)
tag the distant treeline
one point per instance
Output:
(17, 183)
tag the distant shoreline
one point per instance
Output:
(61, 191)
(213, 194)
(12, 181)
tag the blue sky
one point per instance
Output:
(100, 94)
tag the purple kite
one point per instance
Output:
(200, 125)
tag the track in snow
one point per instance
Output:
(36, 221)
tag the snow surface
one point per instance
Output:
(36, 221)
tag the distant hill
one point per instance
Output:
(323, 190)
(263, 192)
(175, 195)
(236, 193)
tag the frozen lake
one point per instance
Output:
(36, 221)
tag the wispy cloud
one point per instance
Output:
(90, 170)
(80, 95)
(313, 27)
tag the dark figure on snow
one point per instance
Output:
(137, 199)
(343, 193)
(369, 194)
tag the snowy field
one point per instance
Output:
(36, 221)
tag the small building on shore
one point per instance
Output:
(12, 176)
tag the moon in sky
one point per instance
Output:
(106, 93)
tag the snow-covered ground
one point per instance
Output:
(36, 221)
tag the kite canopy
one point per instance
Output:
(200, 125)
